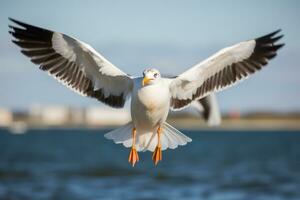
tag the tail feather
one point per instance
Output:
(170, 138)
(121, 135)
(180, 137)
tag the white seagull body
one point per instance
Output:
(78, 66)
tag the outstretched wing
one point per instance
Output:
(223, 69)
(74, 63)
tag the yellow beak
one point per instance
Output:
(146, 81)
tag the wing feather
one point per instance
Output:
(223, 69)
(73, 63)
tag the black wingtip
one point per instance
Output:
(28, 26)
(273, 33)
(10, 26)
(18, 22)
(14, 21)
(270, 38)
(276, 32)
(279, 46)
(275, 39)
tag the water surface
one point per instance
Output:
(81, 164)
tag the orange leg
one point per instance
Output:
(133, 155)
(157, 155)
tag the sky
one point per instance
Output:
(171, 36)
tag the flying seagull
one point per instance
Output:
(81, 68)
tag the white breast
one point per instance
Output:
(150, 104)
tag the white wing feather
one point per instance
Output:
(74, 63)
(223, 69)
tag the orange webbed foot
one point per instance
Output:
(133, 157)
(157, 155)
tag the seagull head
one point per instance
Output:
(150, 76)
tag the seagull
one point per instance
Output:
(82, 69)
(209, 109)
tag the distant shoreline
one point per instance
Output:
(240, 124)
(105, 118)
(186, 123)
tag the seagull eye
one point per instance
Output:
(155, 75)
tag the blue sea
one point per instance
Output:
(80, 164)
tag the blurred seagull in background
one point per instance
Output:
(209, 109)
(81, 68)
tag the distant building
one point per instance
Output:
(77, 116)
(55, 115)
(49, 115)
(234, 114)
(6, 117)
(101, 116)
